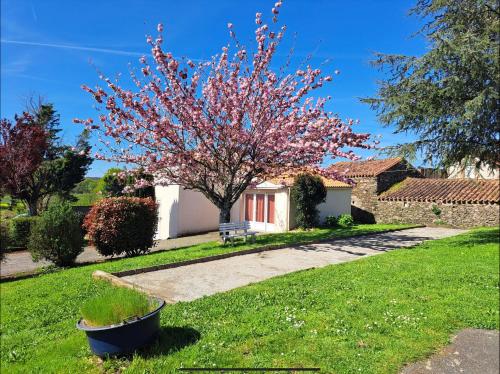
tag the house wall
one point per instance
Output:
(167, 198)
(457, 215)
(292, 221)
(182, 212)
(281, 202)
(236, 211)
(280, 207)
(470, 171)
(196, 213)
(337, 202)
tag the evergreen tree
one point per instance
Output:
(448, 96)
(307, 192)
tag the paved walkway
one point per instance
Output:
(21, 262)
(190, 282)
(472, 351)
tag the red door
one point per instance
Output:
(259, 208)
(270, 208)
(248, 207)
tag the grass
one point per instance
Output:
(217, 248)
(371, 316)
(114, 305)
(86, 199)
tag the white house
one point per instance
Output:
(470, 171)
(267, 207)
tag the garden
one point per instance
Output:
(221, 126)
(45, 195)
(342, 318)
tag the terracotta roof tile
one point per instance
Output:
(288, 181)
(444, 190)
(370, 168)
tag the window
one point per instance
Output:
(259, 208)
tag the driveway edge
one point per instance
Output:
(172, 265)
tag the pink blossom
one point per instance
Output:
(258, 17)
(236, 119)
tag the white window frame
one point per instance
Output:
(263, 226)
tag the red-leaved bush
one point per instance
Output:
(122, 225)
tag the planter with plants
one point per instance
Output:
(120, 321)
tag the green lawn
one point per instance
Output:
(216, 248)
(369, 316)
(86, 199)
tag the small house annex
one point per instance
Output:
(267, 207)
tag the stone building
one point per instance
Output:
(455, 202)
(371, 179)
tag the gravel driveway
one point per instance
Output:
(21, 262)
(190, 282)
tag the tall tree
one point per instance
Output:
(218, 126)
(449, 96)
(307, 192)
(117, 182)
(22, 147)
(59, 167)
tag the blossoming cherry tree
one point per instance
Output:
(221, 125)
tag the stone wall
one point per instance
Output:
(394, 175)
(364, 199)
(457, 215)
(365, 192)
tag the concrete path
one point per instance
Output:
(21, 262)
(472, 351)
(190, 282)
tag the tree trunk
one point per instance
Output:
(32, 208)
(225, 212)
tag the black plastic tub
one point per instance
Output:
(126, 337)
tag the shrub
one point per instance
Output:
(332, 221)
(20, 228)
(4, 238)
(345, 220)
(437, 212)
(122, 224)
(56, 236)
(114, 305)
(112, 184)
(307, 192)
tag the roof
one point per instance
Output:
(329, 183)
(370, 168)
(444, 190)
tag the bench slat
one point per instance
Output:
(231, 230)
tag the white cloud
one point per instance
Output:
(73, 47)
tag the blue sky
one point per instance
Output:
(50, 48)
